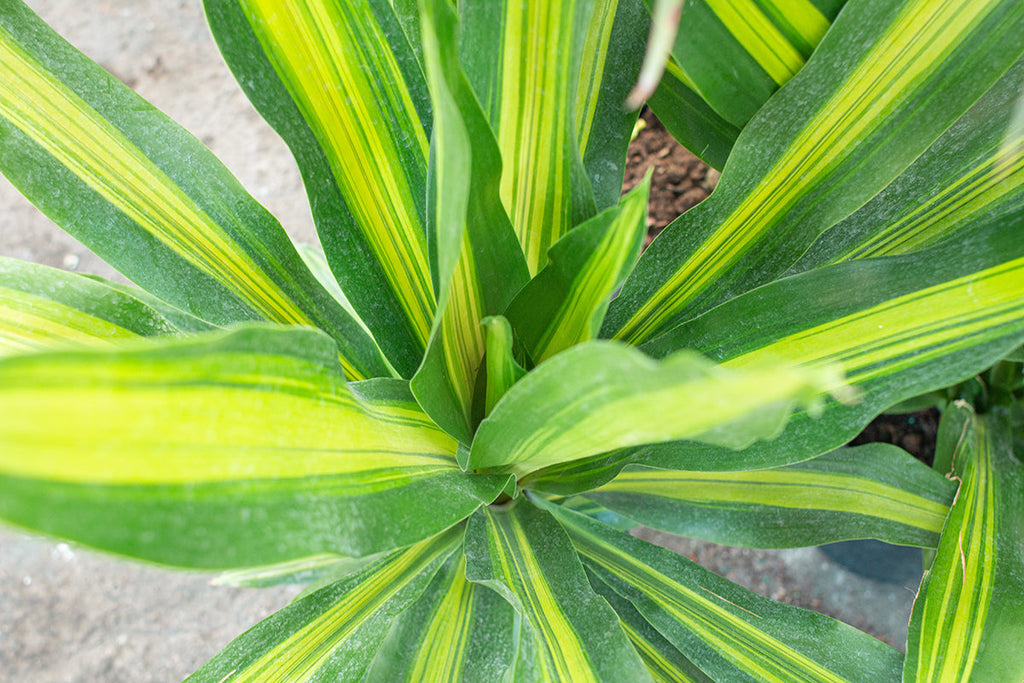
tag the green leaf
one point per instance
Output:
(527, 80)
(502, 369)
(729, 632)
(565, 303)
(334, 633)
(342, 86)
(601, 396)
(480, 264)
(966, 623)
(579, 476)
(456, 631)
(874, 491)
(663, 660)
(610, 57)
(691, 121)
(569, 632)
(890, 79)
(898, 327)
(149, 198)
(736, 53)
(45, 308)
(231, 450)
(972, 173)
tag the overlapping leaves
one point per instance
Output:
(465, 189)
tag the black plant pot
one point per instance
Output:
(876, 560)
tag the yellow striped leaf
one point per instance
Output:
(45, 308)
(967, 615)
(502, 369)
(874, 491)
(457, 631)
(139, 191)
(334, 633)
(729, 632)
(890, 80)
(664, 662)
(528, 83)
(568, 632)
(479, 261)
(601, 396)
(565, 303)
(898, 327)
(226, 451)
(973, 172)
(340, 82)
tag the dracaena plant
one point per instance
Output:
(445, 419)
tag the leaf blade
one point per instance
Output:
(301, 463)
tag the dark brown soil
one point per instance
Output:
(680, 180)
(913, 432)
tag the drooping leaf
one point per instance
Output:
(890, 78)
(149, 198)
(966, 623)
(480, 265)
(456, 631)
(568, 631)
(226, 451)
(43, 308)
(873, 491)
(898, 326)
(565, 303)
(527, 81)
(729, 632)
(334, 633)
(602, 396)
(341, 84)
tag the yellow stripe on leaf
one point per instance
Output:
(300, 656)
(563, 656)
(908, 53)
(957, 607)
(534, 133)
(758, 36)
(441, 656)
(786, 488)
(77, 136)
(166, 423)
(711, 618)
(899, 329)
(972, 194)
(30, 322)
(595, 52)
(335, 61)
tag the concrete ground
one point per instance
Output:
(68, 614)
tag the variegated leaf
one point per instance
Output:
(729, 632)
(341, 84)
(334, 633)
(148, 197)
(229, 450)
(568, 631)
(890, 78)
(966, 621)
